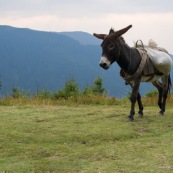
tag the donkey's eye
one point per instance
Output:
(111, 46)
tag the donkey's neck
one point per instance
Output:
(129, 59)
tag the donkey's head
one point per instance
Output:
(110, 46)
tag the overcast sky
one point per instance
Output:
(150, 18)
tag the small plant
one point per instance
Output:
(17, 93)
(44, 94)
(95, 89)
(98, 86)
(151, 93)
(70, 89)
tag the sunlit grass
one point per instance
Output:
(81, 100)
(46, 136)
(86, 100)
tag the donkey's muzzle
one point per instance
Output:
(104, 65)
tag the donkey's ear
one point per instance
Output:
(122, 31)
(100, 36)
(111, 31)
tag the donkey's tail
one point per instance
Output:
(169, 83)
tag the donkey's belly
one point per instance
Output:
(151, 78)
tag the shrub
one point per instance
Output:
(70, 89)
(44, 94)
(17, 93)
(98, 87)
(151, 93)
(95, 89)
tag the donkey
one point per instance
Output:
(132, 61)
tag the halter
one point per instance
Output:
(116, 42)
(119, 56)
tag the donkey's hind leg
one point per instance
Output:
(165, 86)
(163, 92)
(158, 85)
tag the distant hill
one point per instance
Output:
(82, 37)
(31, 59)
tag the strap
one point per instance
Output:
(138, 72)
(139, 46)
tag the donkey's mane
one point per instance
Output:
(122, 38)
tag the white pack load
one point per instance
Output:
(152, 44)
(161, 60)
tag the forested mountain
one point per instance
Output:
(34, 60)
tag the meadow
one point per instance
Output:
(45, 136)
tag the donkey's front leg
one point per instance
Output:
(140, 113)
(133, 99)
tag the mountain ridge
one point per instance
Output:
(31, 59)
(82, 37)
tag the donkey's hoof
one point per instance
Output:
(130, 118)
(140, 115)
(161, 113)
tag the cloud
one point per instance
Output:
(80, 8)
(156, 26)
(150, 19)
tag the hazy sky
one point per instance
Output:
(150, 18)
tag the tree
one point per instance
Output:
(16, 93)
(70, 89)
(98, 87)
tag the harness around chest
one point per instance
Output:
(145, 68)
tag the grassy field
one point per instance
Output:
(84, 139)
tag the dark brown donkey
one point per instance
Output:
(114, 49)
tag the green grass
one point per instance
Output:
(84, 139)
